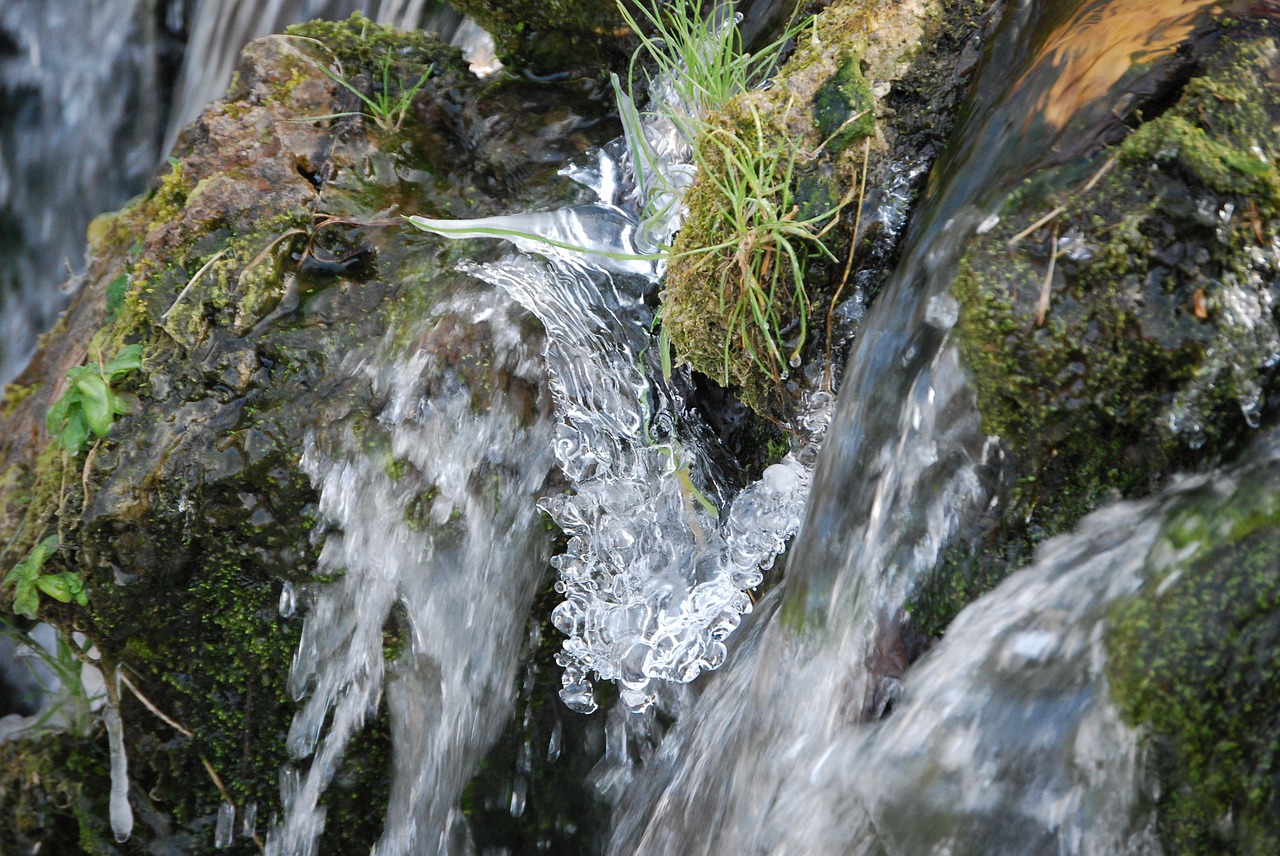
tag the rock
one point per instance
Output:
(1120, 320)
(853, 120)
(267, 253)
(1191, 661)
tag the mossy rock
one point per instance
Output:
(260, 259)
(559, 36)
(1192, 662)
(873, 84)
(1132, 333)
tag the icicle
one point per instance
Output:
(121, 814)
(224, 828)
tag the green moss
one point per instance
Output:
(14, 395)
(844, 106)
(733, 305)
(1226, 167)
(1191, 657)
(1077, 399)
(362, 43)
(382, 64)
(54, 791)
(1138, 364)
(164, 205)
(824, 99)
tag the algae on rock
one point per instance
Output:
(1119, 319)
(1191, 659)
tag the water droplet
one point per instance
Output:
(553, 746)
(248, 819)
(519, 796)
(288, 600)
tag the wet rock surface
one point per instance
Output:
(1118, 313)
(261, 263)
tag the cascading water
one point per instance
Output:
(762, 762)
(655, 576)
(653, 582)
(440, 541)
(1005, 738)
(79, 131)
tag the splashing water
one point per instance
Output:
(657, 568)
(655, 576)
(455, 581)
(776, 755)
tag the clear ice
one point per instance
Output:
(655, 576)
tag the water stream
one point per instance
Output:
(79, 133)
(441, 550)
(791, 725)
(761, 762)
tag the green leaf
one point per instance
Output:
(119, 404)
(55, 585)
(75, 436)
(26, 599)
(16, 573)
(42, 551)
(58, 413)
(96, 401)
(128, 359)
(664, 353)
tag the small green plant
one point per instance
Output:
(70, 705)
(387, 111)
(752, 241)
(29, 581)
(90, 405)
(755, 241)
(701, 58)
(758, 268)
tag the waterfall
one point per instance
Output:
(532, 396)
(661, 549)
(79, 131)
(437, 539)
(906, 465)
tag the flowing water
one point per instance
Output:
(798, 727)
(79, 134)
(774, 757)
(444, 550)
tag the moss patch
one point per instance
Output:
(1132, 333)
(1192, 658)
(845, 107)
(870, 84)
